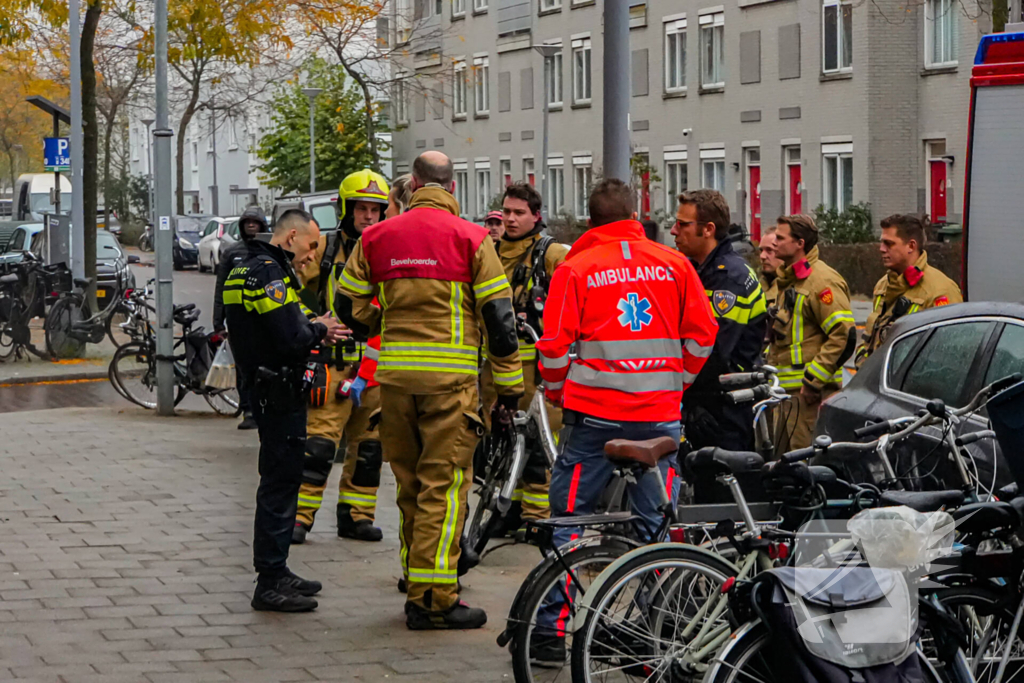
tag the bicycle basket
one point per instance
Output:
(1006, 412)
(198, 355)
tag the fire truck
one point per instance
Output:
(993, 219)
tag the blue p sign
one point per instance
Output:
(57, 154)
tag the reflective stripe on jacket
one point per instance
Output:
(642, 322)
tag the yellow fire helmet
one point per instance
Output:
(365, 186)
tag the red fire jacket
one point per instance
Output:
(642, 321)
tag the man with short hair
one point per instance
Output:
(701, 231)
(643, 328)
(813, 333)
(440, 284)
(271, 339)
(911, 285)
(362, 201)
(495, 226)
(529, 257)
(770, 263)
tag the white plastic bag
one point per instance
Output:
(222, 370)
(901, 538)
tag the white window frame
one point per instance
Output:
(529, 168)
(941, 21)
(195, 156)
(837, 155)
(712, 169)
(791, 157)
(556, 185)
(550, 5)
(582, 182)
(462, 187)
(582, 85)
(553, 83)
(482, 171)
(403, 21)
(481, 86)
(505, 171)
(844, 62)
(458, 8)
(676, 166)
(712, 37)
(675, 70)
(401, 102)
(479, 6)
(460, 90)
(232, 134)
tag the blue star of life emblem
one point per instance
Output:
(634, 312)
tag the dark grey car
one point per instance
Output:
(947, 353)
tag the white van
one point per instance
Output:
(32, 196)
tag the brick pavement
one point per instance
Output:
(125, 556)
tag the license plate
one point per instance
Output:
(101, 293)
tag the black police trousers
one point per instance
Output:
(282, 429)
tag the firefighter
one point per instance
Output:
(702, 234)
(362, 200)
(911, 285)
(643, 328)
(812, 334)
(271, 340)
(439, 283)
(529, 257)
(495, 227)
(770, 264)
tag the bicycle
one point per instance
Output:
(133, 372)
(24, 294)
(69, 325)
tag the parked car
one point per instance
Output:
(946, 353)
(322, 205)
(112, 263)
(188, 231)
(218, 234)
(21, 238)
(113, 227)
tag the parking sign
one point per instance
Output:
(57, 154)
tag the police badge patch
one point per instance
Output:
(277, 291)
(723, 301)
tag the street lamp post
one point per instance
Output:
(149, 170)
(616, 90)
(312, 94)
(162, 229)
(546, 52)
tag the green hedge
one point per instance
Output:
(861, 264)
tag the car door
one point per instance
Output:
(17, 241)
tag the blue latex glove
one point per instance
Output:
(355, 392)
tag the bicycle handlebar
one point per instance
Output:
(799, 454)
(743, 379)
(758, 393)
(968, 439)
(875, 429)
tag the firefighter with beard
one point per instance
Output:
(345, 395)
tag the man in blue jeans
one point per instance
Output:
(643, 329)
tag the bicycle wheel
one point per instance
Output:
(543, 623)
(63, 314)
(987, 617)
(133, 373)
(224, 401)
(485, 520)
(659, 616)
(116, 335)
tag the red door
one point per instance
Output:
(531, 178)
(795, 199)
(645, 196)
(938, 190)
(755, 202)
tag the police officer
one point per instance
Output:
(362, 201)
(701, 232)
(439, 283)
(271, 340)
(812, 334)
(250, 223)
(529, 257)
(911, 285)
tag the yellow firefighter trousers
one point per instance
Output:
(430, 441)
(534, 495)
(795, 420)
(330, 421)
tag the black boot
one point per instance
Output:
(363, 530)
(460, 617)
(300, 585)
(403, 585)
(547, 651)
(275, 595)
(299, 533)
(248, 422)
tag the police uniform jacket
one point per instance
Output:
(261, 304)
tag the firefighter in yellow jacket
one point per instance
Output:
(529, 258)
(813, 331)
(911, 285)
(439, 283)
(362, 199)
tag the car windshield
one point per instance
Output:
(107, 246)
(39, 202)
(190, 224)
(326, 216)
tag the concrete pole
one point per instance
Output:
(312, 93)
(163, 233)
(215, 205)
(77, 246)
(546, 52)
(616, 89)
(56, 174)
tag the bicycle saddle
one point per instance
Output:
(714, 460)
(9, 278)
(988, 516)
(83, 282)
(922, 501)
(181, 308)
(646, 453)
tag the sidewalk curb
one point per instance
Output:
(53, 379)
